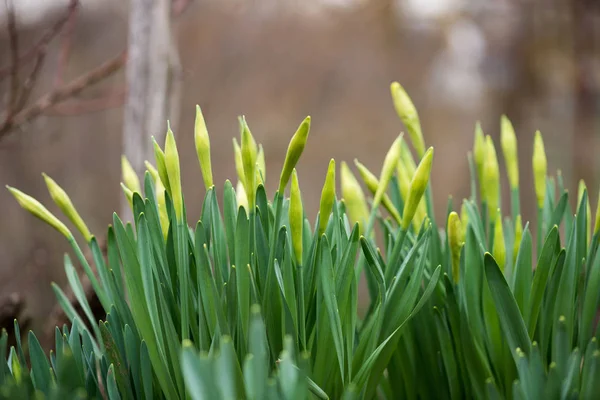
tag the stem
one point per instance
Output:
(514, 203)
(90, 274)
(540, 222)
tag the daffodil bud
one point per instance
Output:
(518, 237)
(580, 190)
(407, 112)
(261, 168)
(508, 140)
(249, 155)
(479, 153)
(174, 173)
(387, 170)
(597, 224)
(159, 156)
(240, 195)
(356, 204)
(130, 178)
(420, 214)
(153, 172)
(372, 184)
(499, 251)
(540, 167)
(239, 164)
(405, 173)
(36, 208)
(62, 200)
(327, 197)
(418, 185)
(128, 194)
(294, 151)
(491, 178)
(455, 242)
(162, 207)
(202, 142)
(296, 215)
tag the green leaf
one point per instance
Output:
(511, 322)
(113, 391)
(40, 367)
(540, 279)
(198, 373)
(523, 273)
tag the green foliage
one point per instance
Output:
(235, 306)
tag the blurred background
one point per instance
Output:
(65, 110)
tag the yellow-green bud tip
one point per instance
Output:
(129, 175)
(407, 112)
(202, 142)
(418, 185)
(294, 151)
(456, 242)
(508, 140)
(540, 167)
(354, 198)
(296, 215)
(499, 251)
(387, 170)
(327, 197)
(174, 173)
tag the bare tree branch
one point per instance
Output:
(60, 94)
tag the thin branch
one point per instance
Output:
(65, 50)
(31, 79)
(87, 106)
(64, 92)
(46, 38)
(14, 60)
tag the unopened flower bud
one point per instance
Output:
(36, 208)
(356, 204)
(455, 242)
(580, 190)
(499, 251)
(159, 156)
(249, 155)
(327, 197)
(239, 164)
(418, 185)
(508, 140)
(518, 237)
(202, 142)
(129, 175)
(261, 168)
(372, 184)
(62, 200)
(174, 173)
(479, 153)
(387, 170)
(240, 195)
(407, 112)
(491, 178)
(294, 151)
(540, 167)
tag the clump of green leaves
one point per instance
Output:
(257, 301)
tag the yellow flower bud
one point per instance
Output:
(540, 167)
(261, 168)
(159, 155)
(597, 224)
(405, 175)
(162, 207)
(372, 184)
(153, 172)
(387, 170)
(508, 140)
(240, 195)
(499, 251)
(420, 214)
(36, 208)
(294, 151)
(580, 190)
(491, 178)
(296, 215)
(62, 200)
(239, 164)
(327, 197)
(202, 142)
(249, 154)
(174, 173)
(455, 242)
(479, 153)
(418, 185)
(408, 115)
(356, 204)
(128, 195)
(130, 178)
(518, 237)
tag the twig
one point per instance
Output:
(31, 53)
(65, 50)
(33, 75)
(87, 106)
(14, 60)
(62, 93)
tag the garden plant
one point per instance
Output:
(257, 300)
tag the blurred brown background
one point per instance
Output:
(537, 61)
